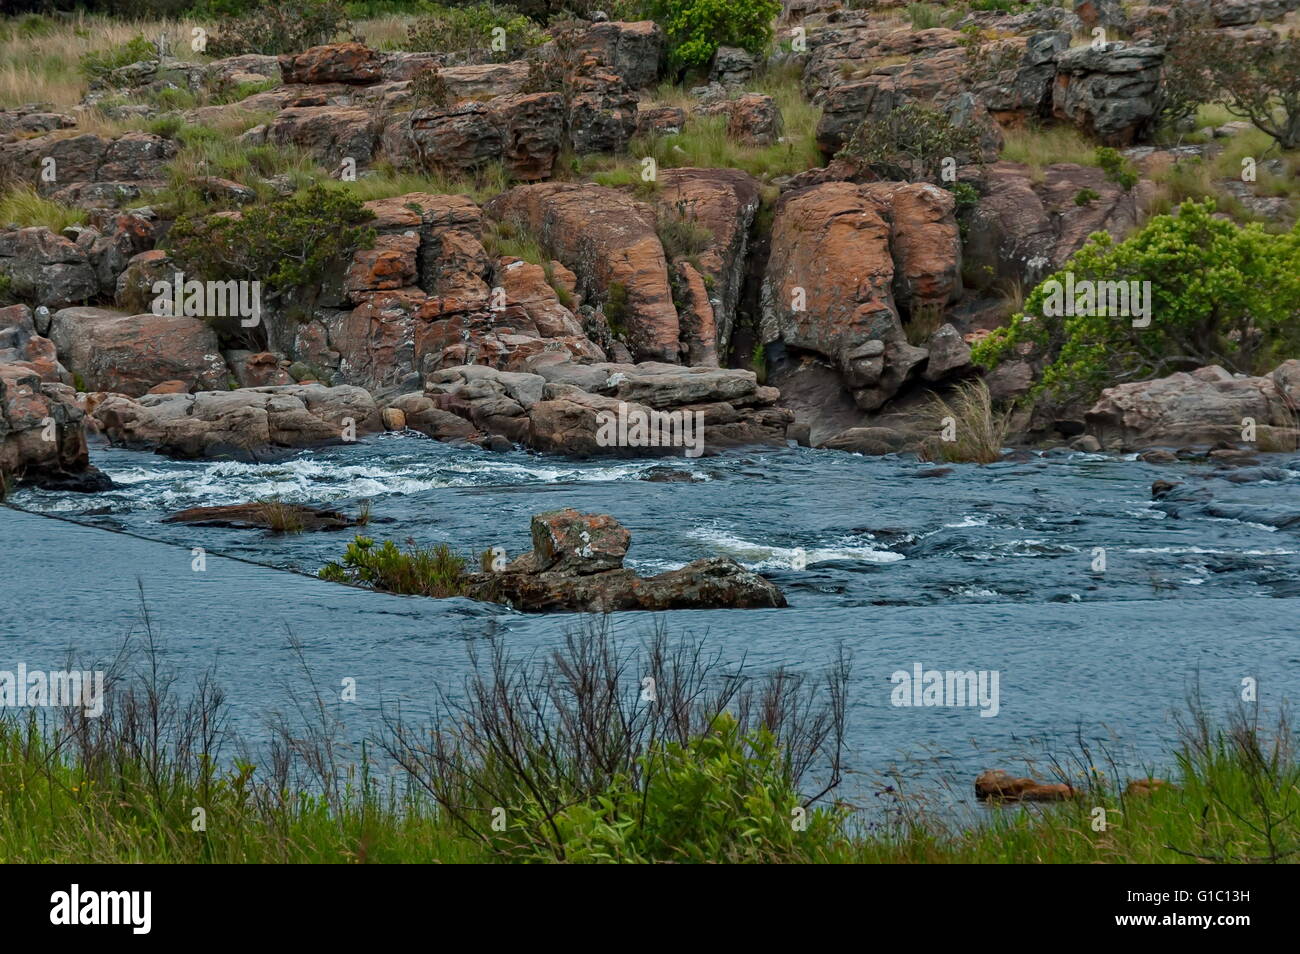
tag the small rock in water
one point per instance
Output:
(998, 785)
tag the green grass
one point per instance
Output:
(24, 207)
(703, 142)
(1234, 798)
(508, 238)
(1041, 146)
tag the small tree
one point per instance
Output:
(1186, 81)
(1260, 82)
(1219, 294)
(696, 28)
(289, 245)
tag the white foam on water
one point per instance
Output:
(758, 556)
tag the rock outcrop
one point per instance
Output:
(843, 259)
(1203, 407)
(250, 424)
(576, 565)
(609, 241)
(129, 354)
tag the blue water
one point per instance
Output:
(983, 568)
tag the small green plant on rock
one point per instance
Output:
(437, 571)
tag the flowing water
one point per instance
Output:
(996, 568)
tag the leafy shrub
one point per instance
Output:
(1086, 197)
(287, 243)
(98, 63)
(415, 571)
(910, 143)
(470, 27)
(1219, 294)
(722, 796)
(429, 88)
(274, 28)
(1117, 169)
(696, 28)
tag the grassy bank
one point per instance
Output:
(577, 758)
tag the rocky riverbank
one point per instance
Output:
(699, 309)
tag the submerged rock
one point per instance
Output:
(269, 515)
(577, 565)
(998, 785)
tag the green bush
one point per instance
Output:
(415, 571)
(1219, 294)
(428, 89)
(1117, 169)
(459, 28)
(274, 29)
(99, 63)
(286, 244)
(910, 143)
(696, 28)
(724, 796)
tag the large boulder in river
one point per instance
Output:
(129, 354)
(577, 564)
(248, 424)
(1203, 407)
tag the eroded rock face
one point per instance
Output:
(839, 252)
(42, 434)
(129, 354)
(88, 170)
(523, 131)
(1023, 230)
(249, 424)
(1110, 92)
(330, 133)
(1203, 407)
(633, 50)
(332, 63)
(577, 565)
(45, 268)
(723, 201)
(609, 241)
(752, 118)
